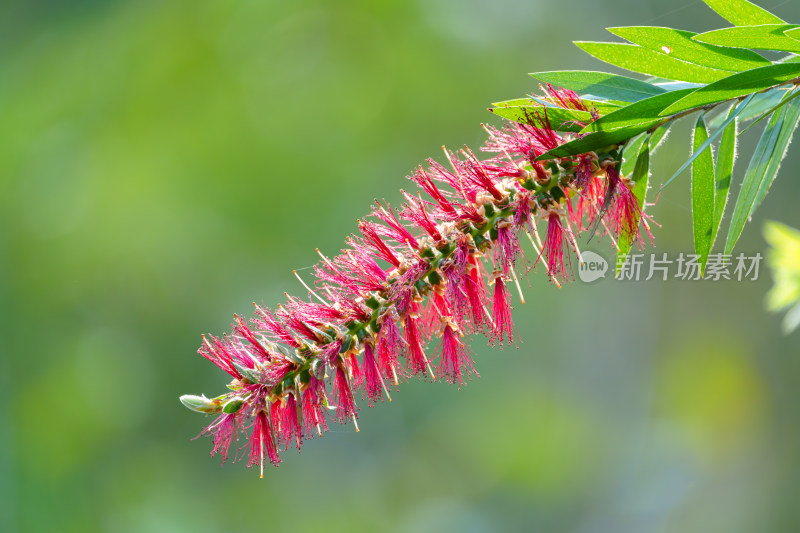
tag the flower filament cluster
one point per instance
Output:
(439, 268)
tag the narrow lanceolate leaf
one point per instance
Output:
(723, 174)
(603, 107)
(794, 33)
(738, 109)
(787, 98)
(658, 136)
(735, 86)
(641, 173)
(560, 119)
(646, 61)
(762, 102)
(630, 153)
(594, 141)
(679, 45)
(763, 168)
(640, 112)
(702, 195)
(600, 84)
(742, 12)
(766, 37)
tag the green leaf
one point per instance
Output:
(702, 195)
(742, 12)
(560, 119)
(679, 45)
(602, 107)
(594, 141)
(643, 111)
(763, 168)
(600, 84)
(232, 406)
(723, 174)
(787, 98)
(646, 61)
(736, 85)
(794, 33)
(766, 37)
(738, 109)
(659, 135)
(761, 103)
(630, 153)
(641, 173)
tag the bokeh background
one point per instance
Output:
(164, 164)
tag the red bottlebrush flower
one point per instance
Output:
(345, 404)
(415, 357)
(224, 430)
(266, 321)
(625, 215)
(612, 184)
(423, 179)
(554, 247)
(565, 98)
(502, 325)
(373, 238)
(314, 407)
(475, 173)
(415, 211)
(476, 293)
(389, 346)
(290, 430)
(393, 228)
(507, 248)
(455, 363)
(242, 329)
(523, 212)
(353, 371)
(429, 257)
(221, 355)
(373, 382)
(262, 443)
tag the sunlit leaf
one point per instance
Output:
(594, 141)
(559, 119)
(702, 195)
(735, 86)
(766, 37)
(679, 45)
(765, 114)
(646, 110)
(600, 84)
(603, 107)
(723, 173)
(742, 12)
(640, 176)
(763, 168)
(646, 61)
(738, 109)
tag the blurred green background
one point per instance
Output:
(164, 164)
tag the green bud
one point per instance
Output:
(232, 406)
(318, 369)
(201, 404)
(247, 373)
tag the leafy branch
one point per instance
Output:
(574, 159)
(690, 74)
